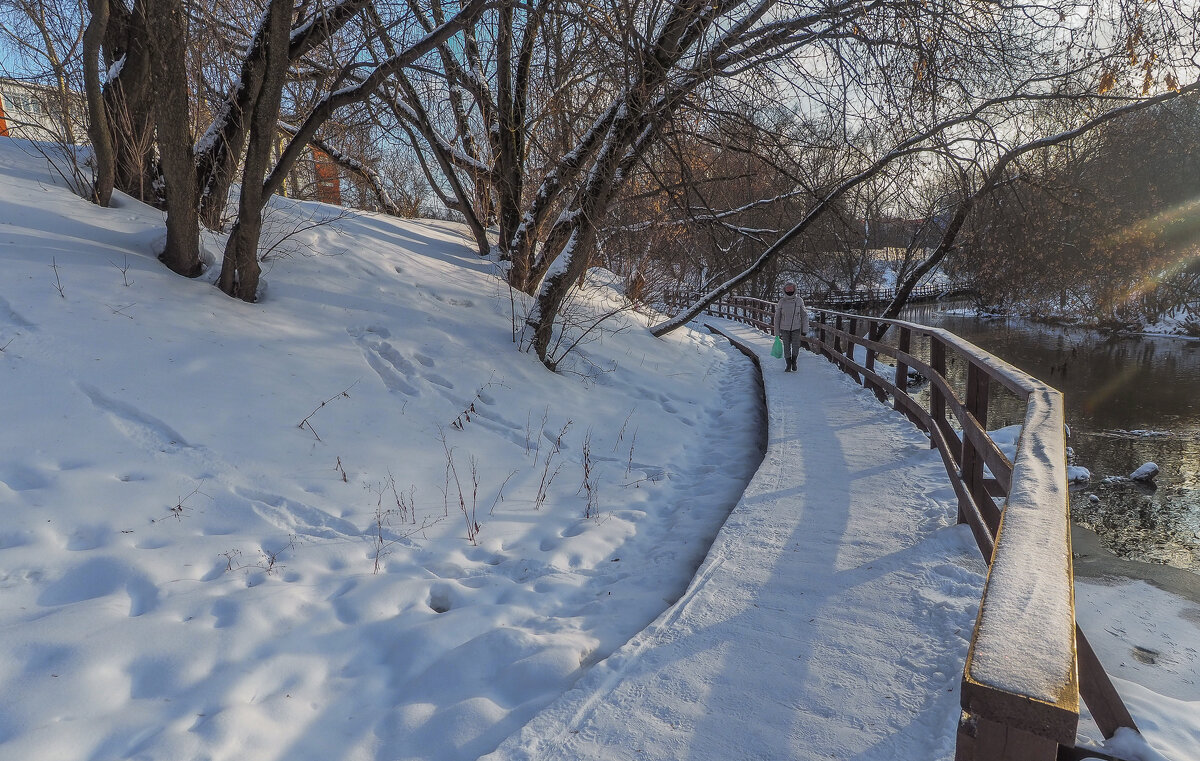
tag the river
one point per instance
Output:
(1129, 400)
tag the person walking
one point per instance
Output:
(790, 323)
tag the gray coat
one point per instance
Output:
(790, 314)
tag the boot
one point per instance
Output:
(792, 364)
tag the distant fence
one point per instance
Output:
(850, 299)
(861, 297)
(1028, 662)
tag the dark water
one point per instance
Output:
(1129, 400)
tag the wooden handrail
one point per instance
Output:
(1022, 678)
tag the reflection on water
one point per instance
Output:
(1128, 401)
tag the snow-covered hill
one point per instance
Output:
(187, 572)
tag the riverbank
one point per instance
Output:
(1094, 561)
(1164, 328)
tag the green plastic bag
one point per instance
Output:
(777, 349)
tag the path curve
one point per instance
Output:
(830, 618)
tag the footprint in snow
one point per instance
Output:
(10, 539)
(392, 369)
(143, 429)
(22, 478)
(100, 578)
(439, 598)
(12, 316)
(89, 538)
(226, 613)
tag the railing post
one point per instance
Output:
(937, 403)
(849, 347)
(824, 322)
(903, 344)
(837, 339)
(997, 742)
(971, 461)
(869, 333)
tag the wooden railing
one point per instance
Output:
(1028, 662)
(831, 298)
(842, 298)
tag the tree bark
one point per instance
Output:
(128, 99)
(240, 270)
(98, 121)
(165, 22)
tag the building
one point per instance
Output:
(35, 112)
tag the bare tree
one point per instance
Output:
(98, 124)
(166, 25)
(240, 270)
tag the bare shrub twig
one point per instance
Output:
(547, 475)
(58, 286)
(307, 421)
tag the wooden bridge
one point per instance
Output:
(856, 298)
(860, 298)
(1028, 664)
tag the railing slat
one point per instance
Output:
(1098, 692)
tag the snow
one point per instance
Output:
(114, 71)
(1146, 638)
(187, 573)
(1145, 472)
(1077, 474)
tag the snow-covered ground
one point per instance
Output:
(186, 572)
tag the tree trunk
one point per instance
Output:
(217, 163)
(128, 100)
(240, 270)
(98, 123)
(165, 22)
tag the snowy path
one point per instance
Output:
(829, 620)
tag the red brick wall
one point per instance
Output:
(329, 189)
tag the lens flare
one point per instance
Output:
(1110, 387)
